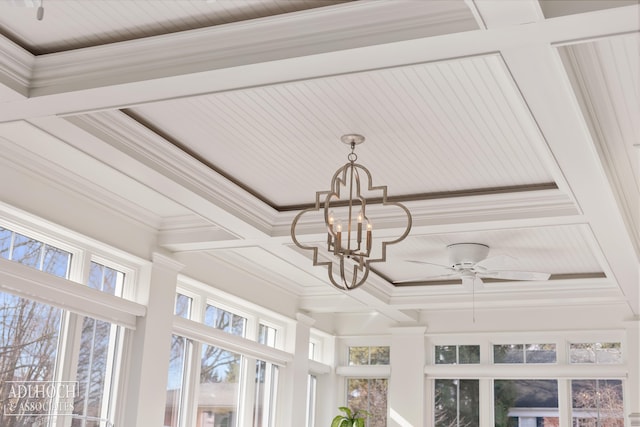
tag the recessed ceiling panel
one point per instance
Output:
(437, 127)
(562, 250)
(605, 75)
(73, 24)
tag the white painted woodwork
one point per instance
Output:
(150, 346)
(138, 127)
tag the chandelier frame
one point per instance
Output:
(353, 245)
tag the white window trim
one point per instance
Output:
(526, 371)
(204, 295)
(317, 368)
(208, 335)
(364, 371)
(486, 371)
(27, 282)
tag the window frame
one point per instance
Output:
(77, 300)
(486, 371)
(251, 351)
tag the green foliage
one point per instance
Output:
(505, 396)
(349, 419)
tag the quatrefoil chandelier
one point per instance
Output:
(350, 237)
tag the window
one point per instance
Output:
(33, 253)
(312, 350)
(264, 409)
(524, 403)
(36, 335)
(106, 279)
(312, 388)
(523, 388)
(219, 390)
(225, 320)
(524, 353)
(183, 306)
(180, 351)
(368, 355)
(224, 376)
(597, 403)
(267, 335)
(457, 403)
(457, 354)
(30, 331)
(30, 334)
(369, 394)
(99, 344)
(598, 353)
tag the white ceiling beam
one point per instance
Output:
(498, 13)
(537, 208)
(539, 74)
(89, 81)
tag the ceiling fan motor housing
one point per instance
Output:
(465, 255)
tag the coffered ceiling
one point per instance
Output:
(211, 123)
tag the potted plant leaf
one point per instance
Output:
(350, 418)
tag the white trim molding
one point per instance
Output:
(46, 288)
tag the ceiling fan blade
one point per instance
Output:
(472, 283)
(516, 275)
(429, 278)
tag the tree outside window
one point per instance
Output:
(219, 387)
(597, 403)
(456, 403)
(369, 394)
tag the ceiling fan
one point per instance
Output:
(467, 262)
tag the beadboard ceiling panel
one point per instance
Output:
(558, 250)
(77, 24)
(211, 123)
(438, 127)
(605, 75)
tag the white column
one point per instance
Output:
(406, 401)
(292, 403)
(146, 382)
(632, 356)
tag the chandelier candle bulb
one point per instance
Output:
(369, 227)
(330, 221)
(338, 245)
(359, 229)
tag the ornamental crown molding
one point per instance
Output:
(16, 66)
(131, 137)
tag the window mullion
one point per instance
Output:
(247, 392)
(564, 403)
(67, 366)
(486, 402)
(192, 385)
(114, 373)
(110, 379)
